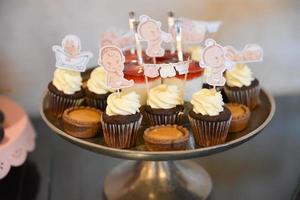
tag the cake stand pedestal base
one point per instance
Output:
(158, 180)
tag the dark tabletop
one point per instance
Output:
(266, 167)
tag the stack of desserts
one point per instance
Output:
(96, 110)
(88, 108)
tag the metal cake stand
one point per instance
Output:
(162, 175)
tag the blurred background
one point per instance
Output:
(29, 28)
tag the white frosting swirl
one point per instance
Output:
(207, 102)
(67, 81)
(164, 97)
(97, 82)
(123, 104)
(239, 76)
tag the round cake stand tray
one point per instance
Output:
(156, 175)
(19, 136)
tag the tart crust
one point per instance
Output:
(81, 128)
(240, 116)
(168, 143)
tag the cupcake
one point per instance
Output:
(164, 105)
(65, 91)
(97, 90)
(241, 87)
(121, 120)
(209, 118)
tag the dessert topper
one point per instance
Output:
(112, 59)
(120, 38)
(166, 70)
(150, 31)
(250, 53)
(68, 55)
(194, 32)
(213, 58)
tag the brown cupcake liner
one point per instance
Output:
(121, 136)
(58, 104)
(209, 133)
(96, 103)
(94, 100)
(248, 97)
(160, 119)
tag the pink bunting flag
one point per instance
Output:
(250, 53)
(194, 32)
(119, 38)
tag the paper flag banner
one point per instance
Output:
(112, 59)
(213, 58)
(194, 32)
(150, 31)
(166, 70)
(182, 68)
(122, 39)
(250, 53)
(68, 55)
(151, 71)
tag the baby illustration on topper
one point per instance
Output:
(112, 59)
(68, 55)
(213, 58)
(150, 31)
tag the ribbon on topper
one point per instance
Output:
(166, 70)
(194, 32)
(150, 31)
(68, 55)
(112, 59)
(250, 53)
(214, 59)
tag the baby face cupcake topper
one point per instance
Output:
(112, 59)
(150, 31)
(213, 58)
(68, 55)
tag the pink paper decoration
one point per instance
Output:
(250, 53)
(112, 59)
(182, 67)
(119, 38)
(151, 71)
(68, 55)
(194, 32)
(213, 57)
(150, 31)
(167, 71)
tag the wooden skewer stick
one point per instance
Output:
(139, 52)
